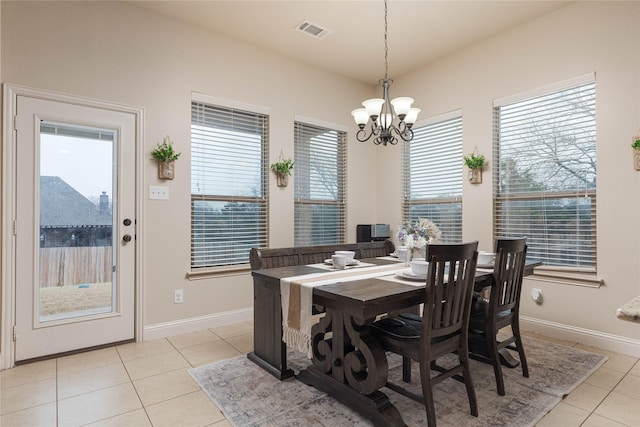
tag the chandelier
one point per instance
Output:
(383, 114)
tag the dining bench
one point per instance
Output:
(268, 266)
(303, 255)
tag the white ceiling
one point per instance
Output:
(419, 31)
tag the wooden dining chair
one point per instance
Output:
(501, 310)
(442, 328)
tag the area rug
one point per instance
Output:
(249, 396)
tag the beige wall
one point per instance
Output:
(585, 37)
(121, 53)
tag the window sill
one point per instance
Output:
(208, 273)
(589, 280)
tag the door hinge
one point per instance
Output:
(14, 227)
(15, 333)
(15, 122)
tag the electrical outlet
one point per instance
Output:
(158, 193)
(536, 295)
(178, 296)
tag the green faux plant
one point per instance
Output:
(283, 167)
(636, 143)
(164, 151)
(474, 160)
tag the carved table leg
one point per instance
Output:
(350, 365)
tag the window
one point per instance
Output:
(545, 174)
(228, 184)
(320, 187)
(432, 171)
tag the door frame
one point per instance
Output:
(9, 191)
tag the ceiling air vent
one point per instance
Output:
(312, 29)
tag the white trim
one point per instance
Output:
(602, 340)
(320, 123)
(550, 88)
(194, 324)
(7, 280)
(229, 103)
(453, 114)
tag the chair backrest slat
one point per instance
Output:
(508, 274)
(450, 280)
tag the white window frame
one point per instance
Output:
(436, 168)
(238, 254)
(555, 268)
(309, 168)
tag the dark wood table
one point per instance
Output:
(348, 362)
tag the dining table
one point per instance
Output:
(348, 363)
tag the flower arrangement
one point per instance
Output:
(415, 236)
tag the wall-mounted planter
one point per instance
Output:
(283, 179)
(166, 169)
(475, 176)
(635, 144)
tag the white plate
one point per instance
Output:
(408, 274)
(328, 261)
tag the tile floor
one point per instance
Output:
(147, 384)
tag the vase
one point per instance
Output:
(283, 180)
(475, 176)
(636, 159)
(418, 253)
(166, 169)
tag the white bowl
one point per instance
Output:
(419, 267)
(347, 254)
(486, 258)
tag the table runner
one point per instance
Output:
(296, 295)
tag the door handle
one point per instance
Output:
(126, 237)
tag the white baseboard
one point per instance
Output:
(193, 324)
(605, 341)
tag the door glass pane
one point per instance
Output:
(76, 222)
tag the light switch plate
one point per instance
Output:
(158, 193)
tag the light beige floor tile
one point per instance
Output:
(194, 338)
(91, 380)
(598, 421)
(242, 343)
(233, 330)
(137, 350)
(617, 362)
(636, 369)
(89, 360)
(156, 364)
(620, 408)
(605, 378)
(191, 410)
(159, 388)
(97, 405)
(27, 396)
(586, 396)
(39, 416)
(209, 352)
(31, 372)
(630, 387)
(564, 415)
(137, 418)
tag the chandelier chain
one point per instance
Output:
(386, 44)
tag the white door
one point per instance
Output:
(74, 227)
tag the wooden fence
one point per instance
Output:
(75, 265)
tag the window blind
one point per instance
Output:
(432, 172)
(320, 185)
(545, 175)
(228, 184)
